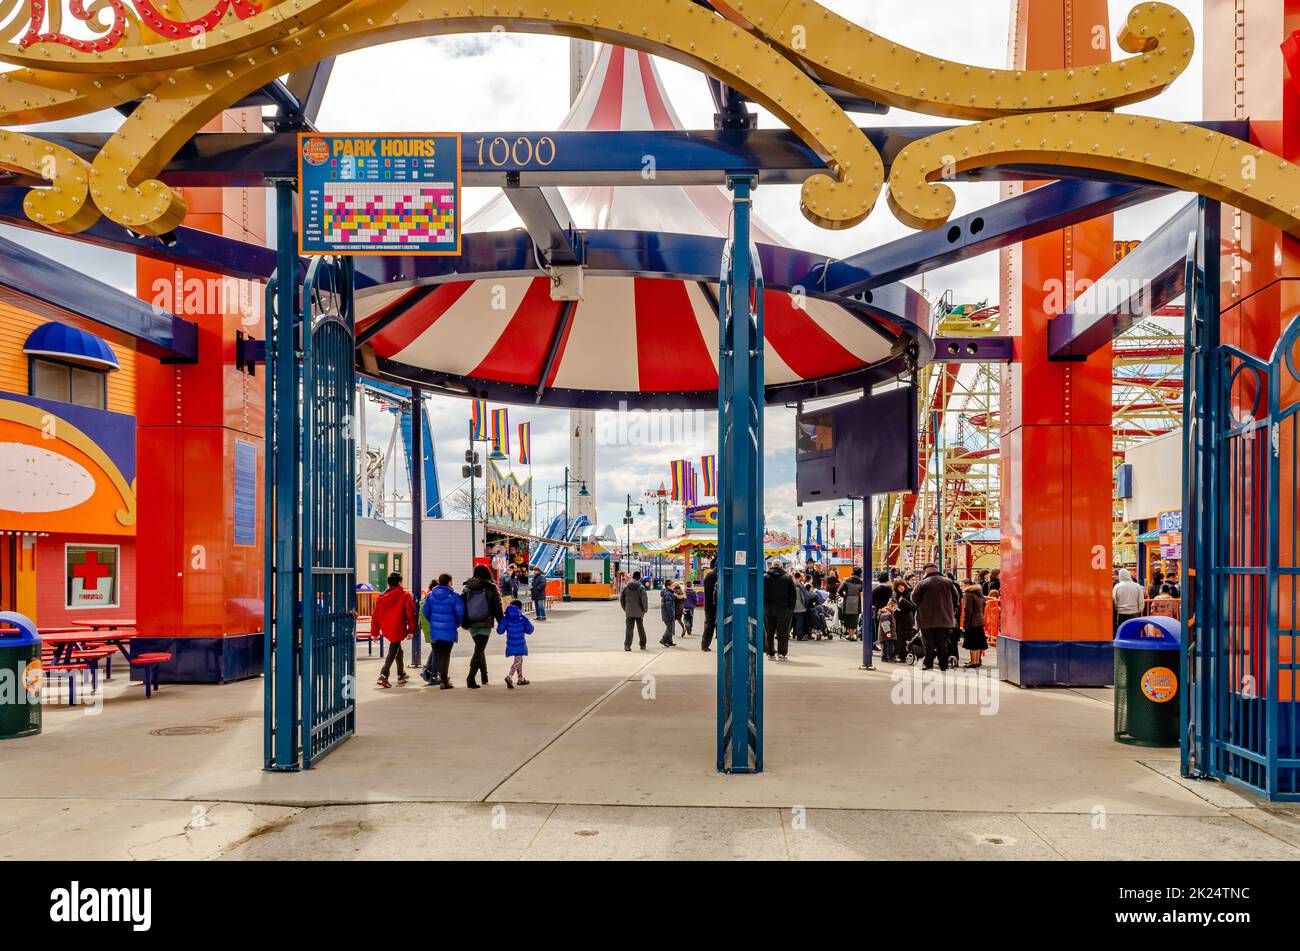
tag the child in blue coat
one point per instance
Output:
(515, 626)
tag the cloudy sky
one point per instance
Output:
(504, 81)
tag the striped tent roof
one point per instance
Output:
(631, 337)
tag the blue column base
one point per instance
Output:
(203, 660)
(1055, 663)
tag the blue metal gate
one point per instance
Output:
(310, 621)
(1242, 413)
(328, 528)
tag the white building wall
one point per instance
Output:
(1157, 476)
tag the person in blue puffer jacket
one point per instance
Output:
(444, 609)
(516, 626)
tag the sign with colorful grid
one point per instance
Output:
(379, 194)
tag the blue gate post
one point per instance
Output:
(740, 495)
(1203, 628)
(283, 413)
(417, 508)
(869, 617)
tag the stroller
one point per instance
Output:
(818, 621)
(914, 650)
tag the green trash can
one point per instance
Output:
(1146, 681)
(20, 677)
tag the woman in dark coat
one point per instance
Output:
(904, 617)
(972, 622)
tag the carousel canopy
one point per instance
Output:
(701, 545)
(646, 331)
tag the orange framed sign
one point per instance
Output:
(386, 193)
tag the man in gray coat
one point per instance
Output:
(935, 615)
(635, 604)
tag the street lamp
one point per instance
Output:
(471, 470)
(627, 520)
(582, 492)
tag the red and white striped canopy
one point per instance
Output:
(633, 335)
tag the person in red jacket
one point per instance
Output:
(394, 616)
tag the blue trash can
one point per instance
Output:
(20, 665)
(1146, 681)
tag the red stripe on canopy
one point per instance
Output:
(608, 115)
(519, 354)
(671, 353)
(805, 347)
(402, 332)
(659, 116)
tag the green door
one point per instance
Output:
(377, 570)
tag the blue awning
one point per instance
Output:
(70, 344)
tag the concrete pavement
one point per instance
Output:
(610, 754)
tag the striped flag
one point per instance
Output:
(525, 444)
(692, 484)
(678, 469)
(501, 431)
(478, 420)
(709, 467)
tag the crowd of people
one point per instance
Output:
(482, 605)
(927, 618)
(924, 618)
(908, 618)
(1130, 600)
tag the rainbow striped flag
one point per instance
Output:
(692, 485)
(501, 431)
(478, 420)
(709, 467)
(678, 469)
(525, 444)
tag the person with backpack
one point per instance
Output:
(442, 609)
(482, 611)
(635, 603)
(688, 611)
(394, 616)
(514, 624)
(537, 589)
(424, 621)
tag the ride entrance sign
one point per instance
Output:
(396, 193)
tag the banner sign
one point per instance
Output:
(509, 502)
(702, 518)
(1170, 524)
(379, 194)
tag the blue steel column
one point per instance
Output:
(740, 496)
(1202, 406)
(282, 472)
(417, 507)
(868, 617)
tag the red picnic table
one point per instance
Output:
(67, 641)
(107, 623)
